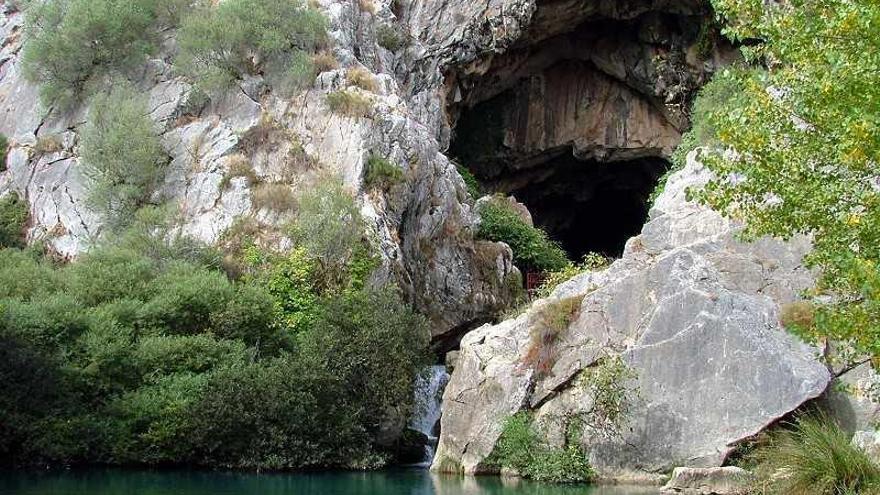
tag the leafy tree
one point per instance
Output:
(329, 226)
(122, 155)
(219, 45)
(374, 344)
(796, 147)
(72, 43)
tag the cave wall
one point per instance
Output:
(612, 81)
(580, 115)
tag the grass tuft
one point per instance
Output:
(814, 456)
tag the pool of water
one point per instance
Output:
(397, 482)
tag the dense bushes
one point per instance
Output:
(521, 449)
(13, 217)
(813, 455)
(143, 351)
(72, 45)
(244, 37)
(532, 249)
(122, 155)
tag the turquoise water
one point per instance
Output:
(401, 482)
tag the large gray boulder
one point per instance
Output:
(692, 312)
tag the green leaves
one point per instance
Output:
(122, 155)
(70, 44)
(795, 142)
(532, 248)
(218, 45)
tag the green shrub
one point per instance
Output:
(610, 384)
(219, 45)
(814, 455)
(13, 219)
(330, 227)
(521, 448)
(184, 298)
(23, 275)
(70, 44)
(381, 174)
(389, 37)
(532, 248)
(470, 180)
(349, 103)
(4, 150)
(167, 354)
(122, 155)
(375, 344)
(284, 413)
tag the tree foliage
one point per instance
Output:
(143, 351)
(72, 43)
(122, 155)
(221, 44)
(796, 142)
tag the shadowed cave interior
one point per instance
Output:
(587, 205)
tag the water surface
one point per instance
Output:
(397, 482)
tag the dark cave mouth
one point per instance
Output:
(590, 206)
(587, 206)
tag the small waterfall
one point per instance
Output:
(429, 393)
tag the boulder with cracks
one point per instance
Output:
(691, 311)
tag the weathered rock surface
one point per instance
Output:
(692, 311)
(728, 480)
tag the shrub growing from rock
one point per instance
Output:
(349, 103)
(71, 44)
(122, 155)
(381, 174)
(219, 45)
(532, 248)
(389, 37)
(547, 322)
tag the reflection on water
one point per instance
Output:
(401, 482)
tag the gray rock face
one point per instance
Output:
(693, 314)
(728, 480)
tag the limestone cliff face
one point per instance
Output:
(692, 312)
(425, 226)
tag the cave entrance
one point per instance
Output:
(589, 200)
(590, 206)
(587, 206)
(577, 118)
